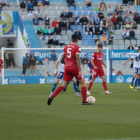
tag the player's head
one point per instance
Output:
(100, 47)
(74, 39)
(138, 50)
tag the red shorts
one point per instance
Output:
(97, 72)
(71, 72)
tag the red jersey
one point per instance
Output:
(1, 62)
(70, 55)
(98, 59)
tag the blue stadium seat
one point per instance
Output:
(94, 36)
(73, 27)
(80, 13)
(84, 8)
(72, 8)
(90, 9)
(79, 27)
(84, 37)
(86, 13)
(78, 8)
(91, 42)
(89, 37)
(85, 42)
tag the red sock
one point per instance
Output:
(58, 90)
(84, 93)
(90, 85)
(105, 86)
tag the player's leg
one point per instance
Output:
(136, 80)
(94, 75)
(59, 76)
(78, 86)
(66, 87)
(133, 79)
(139, 78)
(75, 87)
(102, 75)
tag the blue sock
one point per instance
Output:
(53, 88)
(75, 88)
(136, 82)
(132, 81)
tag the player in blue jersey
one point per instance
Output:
(60, 76)
(90, 67)
(137, 68)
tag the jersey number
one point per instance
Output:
(69, 52)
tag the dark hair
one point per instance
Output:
(74, 38)
(138, 49)
(100, 46)
(112, 69)
(26, 53)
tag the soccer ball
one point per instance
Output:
(91, 100)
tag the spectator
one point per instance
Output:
(47, 20)
(114, 21)
(33, 60)
(109, 25)
(88, 3)
(4, 3)
(104, 23)
(102, 6)
(39, 29)
(125, 35)
(7, 60)
(121, 26)
(87, 30)
(130, 47)
(69, 14)
(54, 23)
(84, 20)
(61, 24)
(101, 15)
(132, 35)
(57, 30)
(39, 15)
(67, 24)
(104, 39)
(9, 43)
(135, 14)
(128, 12)
(137, 19)
(77, 19)
(22, 5)
(35, 21)
(135, 47)
(45, 31)
(96, 20)
(40, 3)
(90, 20)
(47, 74)
(133, 25)
(93, 30)
(113, 72)
(100, 30)
(122, 9)
(49, 40)
(119, 72)
(46, 2)
(24, 63)
(71, 3)
(97, 41)
(127, 25)
(30, 6)
(78, 33)
(55, 40)
(63, 15)
(116, 11)
(110, 10)
(72, 20)
(119, 19)
(50, 31)
(126, 19)
(48, 47)
(131, 2)
(34, 2)
(85, 60)
(110, 40)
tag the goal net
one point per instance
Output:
(37, 65)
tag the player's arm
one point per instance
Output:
(78, 59)
(127, 61)
(1, 67)
(63, 58)
(92, 62)
(56, 66)
(104, 64)
(133, 54)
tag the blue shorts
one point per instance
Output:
(135, 70)
(60, 75)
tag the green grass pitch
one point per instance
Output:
(25, 115)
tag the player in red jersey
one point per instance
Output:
(1, 65)
(72, 60)
(97, 62)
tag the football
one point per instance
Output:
(91, 99)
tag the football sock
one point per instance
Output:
(105, 86)
(90, 77)
(75, 88)
(132, 81)
(139, 82)
(53, 88)
(84, 94)
(136, 82)
(58, 90)
(90, 85)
